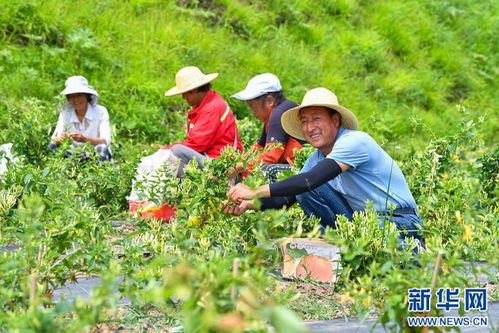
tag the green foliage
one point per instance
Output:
(448, 180)
(21, 22)
(489, 172)
(378, 271)
(28, 127)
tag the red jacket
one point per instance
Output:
(211, 126)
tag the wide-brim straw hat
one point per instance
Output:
(317, 97)
(189, 78)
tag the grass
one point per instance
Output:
(391, 58)
(315, 301)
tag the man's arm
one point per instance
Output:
(277, 202)
(59, 133)
(323, 172)
(265, 203)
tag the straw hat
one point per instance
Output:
(189, 78)
(316, 97)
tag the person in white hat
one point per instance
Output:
(347, 170)
(83, 120)
(264, 95)
(211, 125)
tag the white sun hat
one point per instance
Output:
(258, 86)
(78, 84)
(189, 78)
(316, 97)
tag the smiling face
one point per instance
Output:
(79, 102)
(319, 127)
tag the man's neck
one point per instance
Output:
(326, 151)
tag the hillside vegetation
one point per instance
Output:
(421, 76)
(401, 66)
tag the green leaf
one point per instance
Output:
(296, 253)
(285, 320)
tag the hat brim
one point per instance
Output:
(79, 90)
(244, 95)
(291, 119)
(207, 79)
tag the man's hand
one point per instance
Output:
(234, 171)
(235, 209)
(240, 167)
(240, 192)
(78, 137)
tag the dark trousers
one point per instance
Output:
(102, 150)
(326, 203)
(273, 170)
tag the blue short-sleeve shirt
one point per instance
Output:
(373, 175)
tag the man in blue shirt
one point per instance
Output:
(348, 169)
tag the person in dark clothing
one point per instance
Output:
(264, 95)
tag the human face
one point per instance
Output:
(261, 108)
(79, 102)
(193, 97)
(319, 127)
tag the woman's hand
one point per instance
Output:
(61, 138)
(78, 137)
